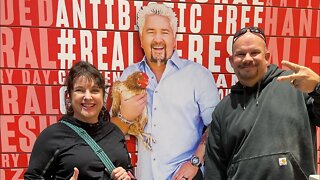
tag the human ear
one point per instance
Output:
(231, 60)
(267, 56)
(140, 38)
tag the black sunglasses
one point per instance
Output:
(252, 30)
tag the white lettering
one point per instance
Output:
(195, 48)
(117, 54)
(124, 17)
(195, 25)
(101, 50)
(213, 53)
(79, 13)
(62, 15)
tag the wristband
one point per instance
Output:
(124, 119)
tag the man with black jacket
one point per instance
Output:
(266, 127)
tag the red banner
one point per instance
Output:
(40, 40)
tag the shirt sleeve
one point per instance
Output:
(207, 95)
(42, 158)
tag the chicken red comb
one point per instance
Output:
(143, 80)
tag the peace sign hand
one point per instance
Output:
(303, 78)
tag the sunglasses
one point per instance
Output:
(255, 30)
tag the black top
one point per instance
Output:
(264, 132)
(59, 149)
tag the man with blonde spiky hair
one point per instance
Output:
(180, 98)
(154, 8)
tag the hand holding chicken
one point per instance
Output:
(135, 84)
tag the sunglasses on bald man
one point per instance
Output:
(255, 30)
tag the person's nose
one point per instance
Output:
(247, 57)
(158, 38)
(87, 95)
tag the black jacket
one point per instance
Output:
(264, 132)
(59, 149)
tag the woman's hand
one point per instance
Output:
(120, 174)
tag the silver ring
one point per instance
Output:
(184, 177)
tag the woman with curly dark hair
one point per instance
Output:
(60, 153)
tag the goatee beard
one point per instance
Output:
(159, 58)
(159, 61)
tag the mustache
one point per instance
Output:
(247, 64)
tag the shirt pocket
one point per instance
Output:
(282, 166)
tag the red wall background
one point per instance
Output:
(41, 39)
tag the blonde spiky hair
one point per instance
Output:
(157, 9)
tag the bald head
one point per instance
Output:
(248, 38)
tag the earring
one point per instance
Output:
(69, 107)
(68, 103)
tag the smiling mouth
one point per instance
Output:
(247, 66)
(87, 106)
(157, 49)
